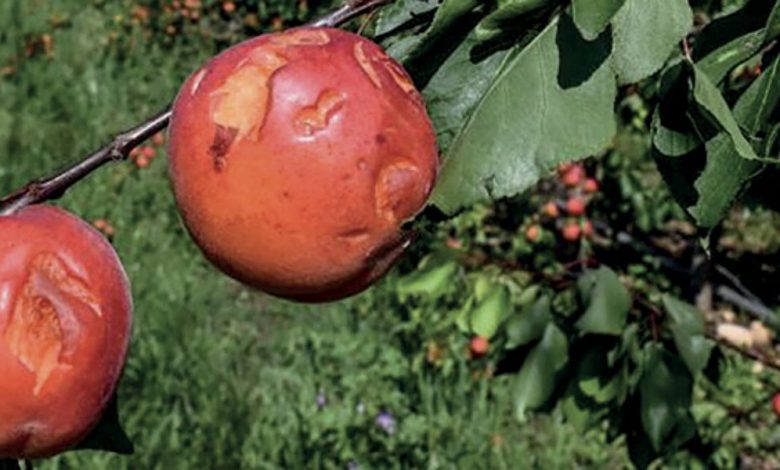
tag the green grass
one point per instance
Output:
(218, 376)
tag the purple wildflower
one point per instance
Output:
(321, 400)
(386, 421)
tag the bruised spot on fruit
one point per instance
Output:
(399, 77)
(396, 191)
(197, 80)
(34, 335)
(35, 331)
(316, 118)
(57, 273)
(355, 236)
(223, 139)
(366, 64)
(241, 102)
(301, 37)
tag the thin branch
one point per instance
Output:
(746, 353)
(55, 186)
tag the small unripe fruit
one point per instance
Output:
(551, 210)
(295, 157)
(65, 314)
(479, 347)
(533, 233)
(571, 232)
(575, 206)
(776, 404)
(573, 176)
(591, 185)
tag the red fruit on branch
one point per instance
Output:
(148, 152)
(587, 228)
(551, 210)
(295, 158)
(478, 347)
(590, 185)
(776, 404)
(571, 231)
(65, 315)
(575, 206)
(573, 176)
(533, 233)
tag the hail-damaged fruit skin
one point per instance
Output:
(65, 317)
(295, 157)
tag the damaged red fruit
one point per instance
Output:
(65, 315)
(295, 157)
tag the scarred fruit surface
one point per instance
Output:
(65, 315)
(296, 156)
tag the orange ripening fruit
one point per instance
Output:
(295, 157)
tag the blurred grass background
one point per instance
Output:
(219, 376)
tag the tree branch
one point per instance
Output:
(55, 186)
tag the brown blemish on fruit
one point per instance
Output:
(367, 64)
(34, 333)
(241, 102)
(197, 80)
(355, 236)
(223, 139)
(317, 117)
(301, 37)
(396, 191)
(399, 77)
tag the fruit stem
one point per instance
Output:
(55, 186)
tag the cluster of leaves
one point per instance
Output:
(729, 87)
(518, 88)
(578, 343)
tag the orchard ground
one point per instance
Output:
(223, 377)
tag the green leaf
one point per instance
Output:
(710, 99)
(665, 397)
(609, 305)
(108, 434)
(773, 24)
(642, 41)
(726, 172)
(529, 325)
(687, 326)
(455, 89)
(593, 16)
(597, 380)
(528, 121)
(424, 53)
(757, 104)
(718, 63)
(535, 382)
(401, 12)
(670, 142)
(432, 279)
(506, 17)
(489, 313)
